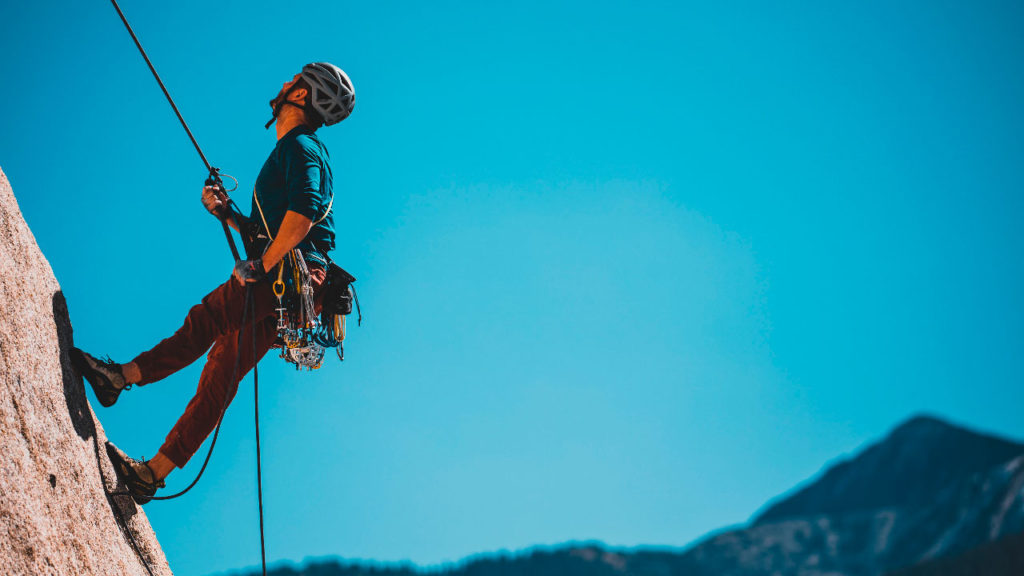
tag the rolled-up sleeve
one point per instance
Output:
(302, 174)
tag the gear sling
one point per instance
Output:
(301, 336)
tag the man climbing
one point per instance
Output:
(292, 201)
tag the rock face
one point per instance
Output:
(57, 514)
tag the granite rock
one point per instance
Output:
(60, 512)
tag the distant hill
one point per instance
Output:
(929, 490)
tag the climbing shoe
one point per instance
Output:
(137, 476)
(104, 375)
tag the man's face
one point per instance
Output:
(284, 90)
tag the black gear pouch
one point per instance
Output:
(338, 293)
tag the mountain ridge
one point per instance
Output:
(968, 498)
(855, 484)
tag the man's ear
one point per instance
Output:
(298, 95)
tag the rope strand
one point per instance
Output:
(214, 177)
(259, 464)
(162, 87)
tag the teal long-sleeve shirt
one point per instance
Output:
(297, 177)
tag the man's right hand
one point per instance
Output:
(214, 200)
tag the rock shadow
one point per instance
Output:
(74, 388)
(122, 506)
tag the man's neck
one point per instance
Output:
(287, 120)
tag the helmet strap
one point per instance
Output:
(280, 105)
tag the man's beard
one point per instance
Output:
(277, 101)
(276, 104)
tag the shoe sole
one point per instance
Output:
(91, 376)
(127, 475)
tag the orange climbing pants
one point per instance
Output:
(214, 325)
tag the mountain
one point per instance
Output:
(917, 503)
(56, 512)
(972, 509)
(917, 461)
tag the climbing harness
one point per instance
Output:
(302, 337)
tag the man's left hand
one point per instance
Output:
(249, 271)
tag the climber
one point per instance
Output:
(292, 200)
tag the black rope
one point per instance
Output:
(162, 87)
(214, 177)
(259, 465)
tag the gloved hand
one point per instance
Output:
(249, 271)
(214, 199)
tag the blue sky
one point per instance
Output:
(628, 270)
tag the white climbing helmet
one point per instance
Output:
(331, 92)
